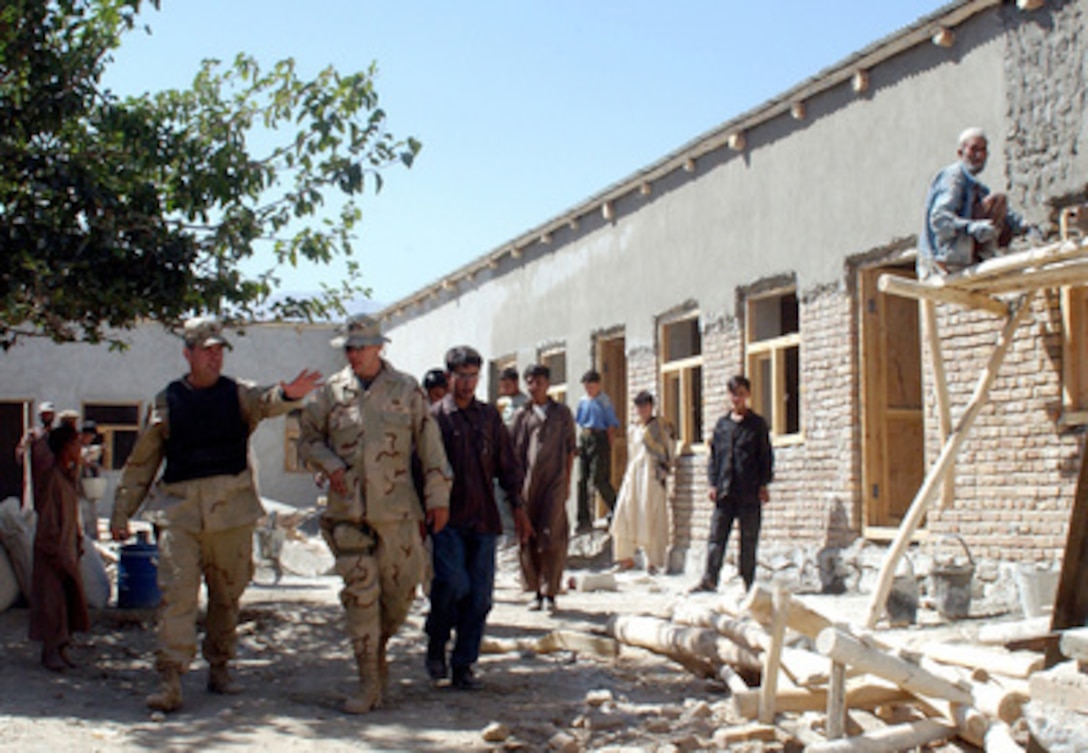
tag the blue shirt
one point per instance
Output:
(596, 413)
(951, 196)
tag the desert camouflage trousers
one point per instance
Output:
(381, 565)
(224, 559)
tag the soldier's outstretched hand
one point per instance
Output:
(306, 381)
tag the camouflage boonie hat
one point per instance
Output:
(359, 331)
(203, 332)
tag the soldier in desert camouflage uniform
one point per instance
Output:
(206, 504)
(361, 430)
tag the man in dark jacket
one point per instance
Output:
(480, 452)
(740, 468)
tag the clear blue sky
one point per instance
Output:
(524, 108)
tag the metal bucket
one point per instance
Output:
(902, 603)
(952, 582)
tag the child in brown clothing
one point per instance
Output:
(57, 605)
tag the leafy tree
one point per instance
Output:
(113, 211)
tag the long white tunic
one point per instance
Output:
(641, 518)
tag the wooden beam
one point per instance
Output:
(1071, 602)
(773, 655)
(1031, 279)
(1002, 266)
(894, 738)
(836, 701)
(923, 291)
(936, 475)
(843, 647)
(802, 618)
(864, 692)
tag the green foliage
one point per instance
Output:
(114, 211)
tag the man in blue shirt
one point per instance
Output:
(597, 421)
(964, 221)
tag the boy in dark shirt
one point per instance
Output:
(740, 468)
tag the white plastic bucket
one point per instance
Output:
(1038, 588)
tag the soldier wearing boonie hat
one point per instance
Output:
(358, 332)
(204, 332)
(363, 429)
(206, 503)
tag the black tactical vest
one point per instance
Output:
(207, 433)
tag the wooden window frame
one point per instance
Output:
(557, 391)
(772, 352)
(496, 367)
(107, 430)
(687, 373)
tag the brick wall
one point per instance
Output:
(1015, 476)
(1017, 471)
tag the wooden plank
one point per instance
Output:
(1071, 602)
(936, 476)
(924, 291)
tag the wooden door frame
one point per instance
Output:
(607, 345)
(873, 375)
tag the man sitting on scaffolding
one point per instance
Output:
(965, 223)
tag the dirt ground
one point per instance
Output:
(295, 665)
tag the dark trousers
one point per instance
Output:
(464, 579)
(749, 511)
(595, 464)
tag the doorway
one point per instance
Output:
(13, 425)
(612, 364)
(892, 413)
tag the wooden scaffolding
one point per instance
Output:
(1003, 286)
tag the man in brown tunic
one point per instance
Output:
(545, 444)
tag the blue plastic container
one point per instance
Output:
(137, 575)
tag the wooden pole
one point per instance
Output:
(895, 738)
(836, 701)
(1001, 266)
(935, 478)
(906, 288)
(1071, 601)
(940, 390)
(802, 618)
(863, 692)
(663, 637)
(845, 648)
(772, 656)
(803, 667)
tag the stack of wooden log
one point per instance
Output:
(856, 690)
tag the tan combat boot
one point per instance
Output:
(168, 696)
(220, 681)
(369, 696)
